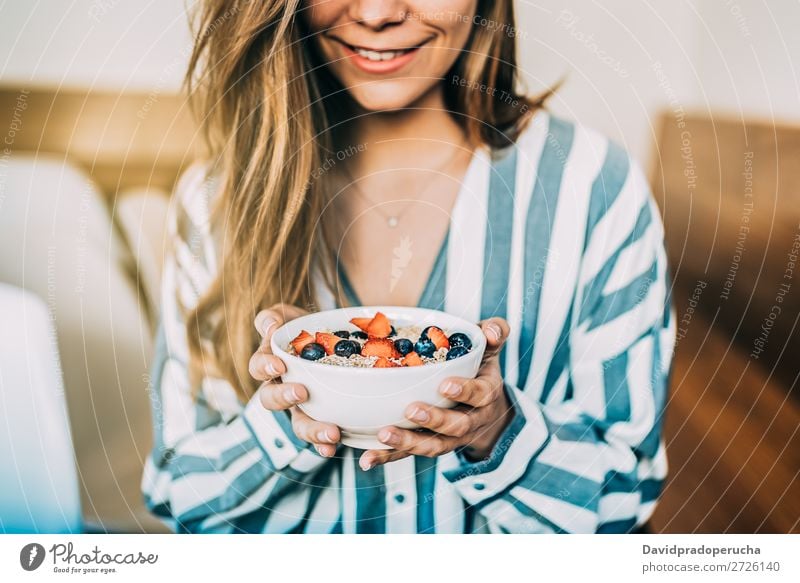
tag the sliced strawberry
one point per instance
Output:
(362, 323)
(327, 340)
(412, 359)
(384, 362)
(301, 340)
(438, 337)
(380, 327)
(379, 347)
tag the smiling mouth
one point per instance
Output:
(381, 55)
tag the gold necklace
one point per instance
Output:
(392, 220)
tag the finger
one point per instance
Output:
(280, 396)
(478, 392)
(454, 422)
(377, 457)
(275, 316)
(417, 442)
(265, 367)
(267, 321)
(496, 331)
(325, 450)
(312, 431)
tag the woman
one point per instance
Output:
(376, 152)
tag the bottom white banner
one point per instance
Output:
(374, 558)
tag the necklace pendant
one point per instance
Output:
(392, 222)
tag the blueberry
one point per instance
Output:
(456, 351)
(392, 333)
(359, 334)
(460, 339)
(425, 347)
(312, 351)
(403, 345)
(342, 334)
(424, 333)
(346, 348)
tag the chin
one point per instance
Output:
(385, 97)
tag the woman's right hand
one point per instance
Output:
(276, 395)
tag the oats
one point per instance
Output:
(412, 333)
(355, 360)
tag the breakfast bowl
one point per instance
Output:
(362, 395)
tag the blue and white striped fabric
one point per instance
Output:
(558, 234)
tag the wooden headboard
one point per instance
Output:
(729, 191)
(121, 139)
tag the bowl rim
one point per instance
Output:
(479, 346)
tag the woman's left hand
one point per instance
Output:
(482, 413)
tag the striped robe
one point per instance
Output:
(560, 235)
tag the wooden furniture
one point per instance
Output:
(121, 140)
(730, 195)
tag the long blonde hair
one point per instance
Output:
(268, 110)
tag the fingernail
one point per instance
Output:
(271, 370)
(419, 414)
(323, 435)
(290, 394)
(451, 389)
(266, 325)
(495, 330)
(365, 465)
(319, 451)
(388, 437)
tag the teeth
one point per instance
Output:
(379, 55)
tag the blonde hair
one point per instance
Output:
(268, 110)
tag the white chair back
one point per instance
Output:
(59, 242)
(40, 483)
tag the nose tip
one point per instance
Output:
(378, 14)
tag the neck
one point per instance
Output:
(424, 136)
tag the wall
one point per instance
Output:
(103, 44)
(623, 60)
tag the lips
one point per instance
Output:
(380, 55)
(379, 61)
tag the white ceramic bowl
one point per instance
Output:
(362, 400)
